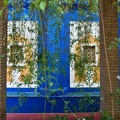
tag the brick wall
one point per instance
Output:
(3, 38)
(109, 69)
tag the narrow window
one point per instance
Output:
(16, 54)
(89, 53)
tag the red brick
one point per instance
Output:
(3, 50)
(109, 20)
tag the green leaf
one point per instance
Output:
(114, 43)
(5, 2)
(42, 5)
(1, 12)
(51, 84)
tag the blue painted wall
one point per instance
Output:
(34, 102)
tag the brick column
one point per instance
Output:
(109, 62)
(3, 51)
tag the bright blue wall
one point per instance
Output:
(35, 103)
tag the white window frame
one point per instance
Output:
(73, 36)
(30, 36)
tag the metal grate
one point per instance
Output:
(89, 53)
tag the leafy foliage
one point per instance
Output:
(59, 118)
(114, 44)
(48, 64)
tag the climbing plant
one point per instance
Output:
(44, 65)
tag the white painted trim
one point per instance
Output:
(74, 37)
(16, 85)
(23, 31)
